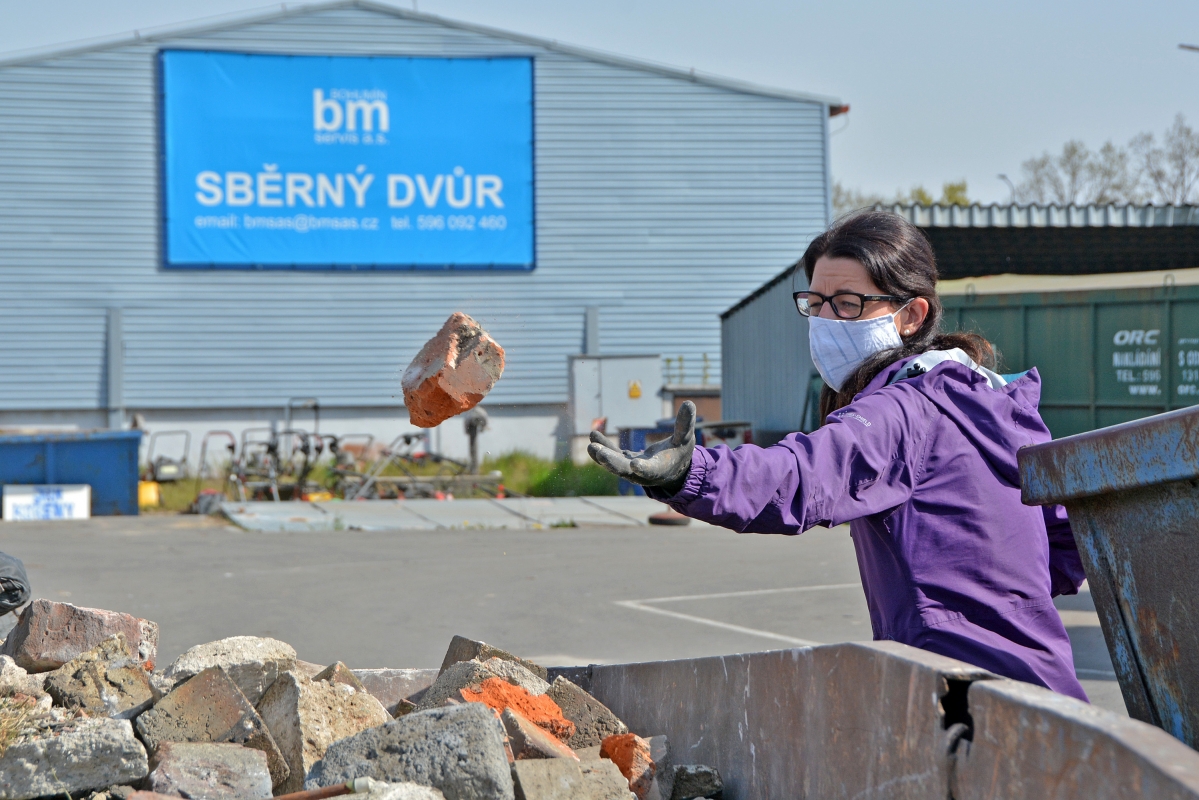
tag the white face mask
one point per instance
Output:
(839, 346)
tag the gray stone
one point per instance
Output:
(602, 781)
(251, 661)
(696, 780)
(593, 721)
(14, 680)
(659, 752)
(210, 708)
(404, 791)
(463, 649)
(306, 716)
(517, 675)
(455, 678)
(563, 779)
(106, 681)
(88, 754)
(553, 779)
(463, 674)
(529, 741)
(457, 749)
(589, 753)
(209, 772)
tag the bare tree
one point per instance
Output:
(1078, 176)
(1171, 171)
(1141, 172)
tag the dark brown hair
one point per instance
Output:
(899, 259)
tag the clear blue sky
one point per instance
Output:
(939, 90)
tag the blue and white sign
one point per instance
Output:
(347, 162)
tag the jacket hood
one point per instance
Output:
(996, 421)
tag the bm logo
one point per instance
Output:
(345, 112)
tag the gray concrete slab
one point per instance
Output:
(551, 511)
(394, 598)
(509, 513)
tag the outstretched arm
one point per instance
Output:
(858, 464)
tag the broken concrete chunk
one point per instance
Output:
(659, 753)
(602, 781)
(391, 686)
(106, 681)
(209, 772)
(338, 672)
(458, 750)
(306, 716)
(210, 708)
(692, 781)
(452, 372)
(463, 649)
(588, 753)
(50, 634)
(450, 682)
(529, 741)
(498, 694)
(403, 791)
(592, 719)
(516, 675)
(631, 754)
(87, 754)
(252, 662)
(307, 668)
(547, 780)
(14, 680)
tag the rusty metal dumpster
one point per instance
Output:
(1132, 494)
(884, 720)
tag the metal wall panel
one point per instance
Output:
(659, 199)
(1104, 357)
(767, 365)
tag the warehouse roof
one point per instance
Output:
(1050, 240)
(288, 10)
(1047, 216)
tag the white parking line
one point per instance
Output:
(641, 605)
(749, 593)
(715, 623)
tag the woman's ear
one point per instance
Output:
(912, 317)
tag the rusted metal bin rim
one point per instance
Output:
(1148, 451)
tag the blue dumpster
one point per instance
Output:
(104, 460)
(1132, 493)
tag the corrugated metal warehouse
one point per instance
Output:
(660, 197)
(1063, 289)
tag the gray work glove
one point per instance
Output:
(663, 465)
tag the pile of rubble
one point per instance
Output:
(82, 709)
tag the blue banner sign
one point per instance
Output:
(346, 162)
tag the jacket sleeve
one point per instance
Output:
(1065, 566)
(14, 585)
(863, 461)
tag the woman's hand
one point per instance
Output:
(663, 465)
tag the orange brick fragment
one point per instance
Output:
(543, 712)
(452, 372)
(630, 753)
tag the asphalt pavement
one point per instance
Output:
(557, 595)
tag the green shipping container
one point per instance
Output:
(1104, 357)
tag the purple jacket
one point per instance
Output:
(924, 471)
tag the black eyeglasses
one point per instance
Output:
(846, 305)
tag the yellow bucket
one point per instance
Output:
(148, 495)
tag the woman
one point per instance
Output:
(917, 453)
